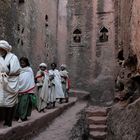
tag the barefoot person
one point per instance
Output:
(42, 87)
(9, 81)
(26, 89)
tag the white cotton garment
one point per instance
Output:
(57, 81)
(9, 84)
(26, 80)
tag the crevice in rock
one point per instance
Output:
(80, 130)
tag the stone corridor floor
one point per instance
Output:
(35, 122)
(61, 128)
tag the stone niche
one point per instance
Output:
(21, 1)
(46, 21)
(103, 35)
(77, 38)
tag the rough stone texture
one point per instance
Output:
(8, 24)
(8, 20)
(135, 22)
(127, 31)
(105, 52)
(124, 123)
(127, 23)
(37, 34)
(80, 129)
(91, 63)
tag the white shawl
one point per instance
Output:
(57, 81)
(26, 80)
(9, 84)
(45, 88)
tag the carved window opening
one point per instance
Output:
(120, 55)
(22, 43)
(104, 35)
(18, 27)
(77, 36)
(20, 30)
(46, 19)
(21, 1)
(18, 41)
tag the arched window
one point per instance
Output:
(77, 36)
(104, 34)
(21, 1)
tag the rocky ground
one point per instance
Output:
(38, 121)
(67, 126)
(123, 122)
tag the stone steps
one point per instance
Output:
(96, 112)
(98, 135)
(97, 119)
(100, 128)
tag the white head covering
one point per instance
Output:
(63, 65)
(5, 45)
(42, 65)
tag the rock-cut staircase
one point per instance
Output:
(97, 118)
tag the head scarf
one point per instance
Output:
(63, 65)
(42, 65)
(5, 45)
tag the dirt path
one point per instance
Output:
(61, 127)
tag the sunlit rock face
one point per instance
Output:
(123, 122)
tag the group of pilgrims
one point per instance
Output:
(21, 91)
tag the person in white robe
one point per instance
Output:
(65, 81)
(55, 86)
(9, 80)
(26, 90)
(42, 80)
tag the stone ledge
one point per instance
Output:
(99, 128)
(80, 94)
(98, 135)
(97, 120)
(38, 121)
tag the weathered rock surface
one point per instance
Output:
(96, 119)
(124, 123)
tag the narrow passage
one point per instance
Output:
(61, 127)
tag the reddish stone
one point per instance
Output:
(96, 111)
(98, 135)
(97, 120)
(100, 128)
